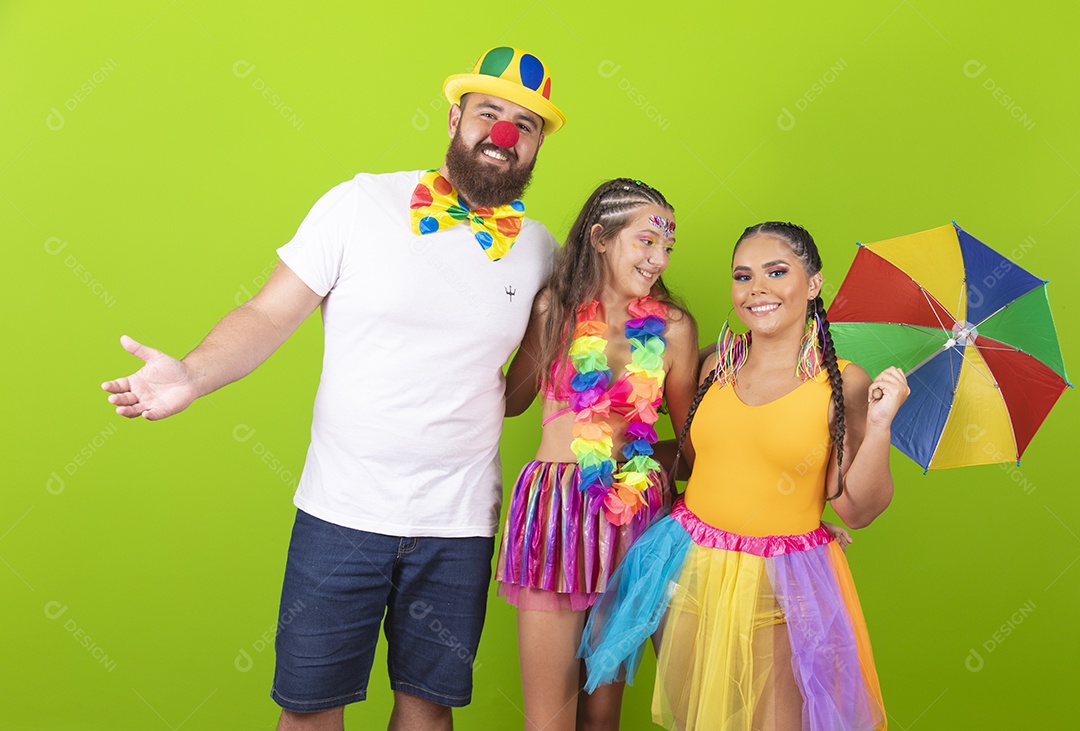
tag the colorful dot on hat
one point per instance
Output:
(546, 93)
(532, 71)
(496, 61)
(485, 239)
(428, 225)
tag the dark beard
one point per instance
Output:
(480, 184)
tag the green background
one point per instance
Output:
(153, 204)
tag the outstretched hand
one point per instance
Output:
(161, 388)
(886, 394)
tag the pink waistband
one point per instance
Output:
(710, 536)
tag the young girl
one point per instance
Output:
(763, 628)
(606, 344)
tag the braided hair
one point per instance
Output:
(801, 243)
(702, 390)
(578, 273)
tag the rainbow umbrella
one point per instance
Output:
(972, 331)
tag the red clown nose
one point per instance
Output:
(504, 134)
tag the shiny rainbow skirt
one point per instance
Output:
(557, 540)
(728, 606)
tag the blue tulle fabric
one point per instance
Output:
(636, 600)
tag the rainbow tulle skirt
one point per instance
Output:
(555, 540)
(738, 616)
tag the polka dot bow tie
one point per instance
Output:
(436, 206)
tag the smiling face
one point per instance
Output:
(639, 253)
(484, 173)
(770, 288)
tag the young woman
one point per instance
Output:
(606, 346)
(762, 627)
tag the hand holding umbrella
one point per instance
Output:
(887, 393)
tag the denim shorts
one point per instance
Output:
(339, 584)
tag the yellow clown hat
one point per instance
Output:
(514, 75)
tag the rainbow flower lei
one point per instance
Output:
(591, 401)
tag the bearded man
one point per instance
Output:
(425, 280)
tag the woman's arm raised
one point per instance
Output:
(869, 409)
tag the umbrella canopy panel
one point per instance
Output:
(921, 419)
(978, 429)
(1027, 325)
(1029, 387)
(992, 281)
(876, 290)
(974, 334)
(932, 259)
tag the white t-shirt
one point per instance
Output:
(405, 434)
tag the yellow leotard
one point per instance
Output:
(761, 470)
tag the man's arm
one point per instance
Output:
(523, 375)
(235, 347)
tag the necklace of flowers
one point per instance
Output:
(590, 400)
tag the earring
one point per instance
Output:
(731, 351)
(809, 360)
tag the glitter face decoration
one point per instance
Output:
(666, 227)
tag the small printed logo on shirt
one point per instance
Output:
(510, 291)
